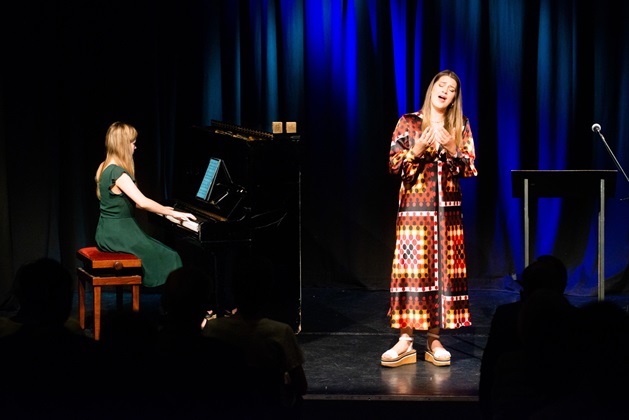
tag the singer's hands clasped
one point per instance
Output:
(433, 137)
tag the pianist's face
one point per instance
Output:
(133, 146)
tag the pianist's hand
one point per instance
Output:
(183, 216)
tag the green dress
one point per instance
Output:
(118, 231)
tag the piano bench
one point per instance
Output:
(100, 269)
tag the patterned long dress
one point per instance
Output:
(429, 277)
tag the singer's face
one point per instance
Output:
(133, 146)
(443, 93)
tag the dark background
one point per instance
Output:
(535, 76)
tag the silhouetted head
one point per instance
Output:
(547, 272)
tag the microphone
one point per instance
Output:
(597, 129)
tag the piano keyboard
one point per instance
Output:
(193, 225)
(199, 212)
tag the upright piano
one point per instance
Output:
(253, 206)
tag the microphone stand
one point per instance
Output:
(609, 150)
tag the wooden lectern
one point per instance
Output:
(566, 183)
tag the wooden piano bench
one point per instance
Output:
(100, 269)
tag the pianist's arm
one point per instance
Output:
(127, 186)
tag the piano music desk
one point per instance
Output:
(107, 269)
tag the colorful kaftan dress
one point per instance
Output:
(429, 277)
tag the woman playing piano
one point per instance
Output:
(117, 229)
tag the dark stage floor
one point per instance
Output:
(344, 332)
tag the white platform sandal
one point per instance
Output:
(439, 357)
(393, 359)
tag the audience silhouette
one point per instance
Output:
(275, 381)
(205, 373)
(547, 272)
(600, 364)
(129, 342)
(544, 358)
(162, 368)
(547, 359)
(44, 356)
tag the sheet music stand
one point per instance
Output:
(566, 183)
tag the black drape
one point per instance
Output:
(536, 75)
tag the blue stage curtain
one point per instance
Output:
(535, 76)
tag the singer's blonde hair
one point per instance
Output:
(454, 113)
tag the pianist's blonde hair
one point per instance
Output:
(117, 146)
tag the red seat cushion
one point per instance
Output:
(95, 255)
(100, 259)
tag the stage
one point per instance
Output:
(345, 330)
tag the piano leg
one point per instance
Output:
(217, 261)
(224, 260)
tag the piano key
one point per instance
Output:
(188, 224)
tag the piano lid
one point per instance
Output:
(266, 168)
